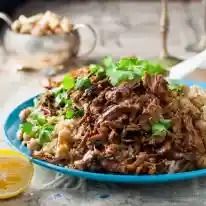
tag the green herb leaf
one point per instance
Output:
(127, 63)
(68, 82)
(69, 114)
(27, 127)
(78, 112)
(45, 134)
(68, 103)
(83, 83)
(97, 70)
(44, 137)
(61, 98)
(108, 62)
(160, 128)
(176, 86)
(166, 122)
(129, 68)
(40, 118)
(151, 68)
(118, 76)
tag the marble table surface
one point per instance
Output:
(124, 28)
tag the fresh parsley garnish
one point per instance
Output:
(78, 112)
(27, 127)
(61, 98)
(176, 86)
(128, 68)
(97, 70)
(68, 82)
(69, 114)
(83, 83)
(117, 74)
(45, 134)
(160, 128)
(74, 113)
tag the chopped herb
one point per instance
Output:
(44, 137)
(61, 98)
(166, 123)
(27, 127)
(160, 128)
(128, 68)
(128, 63)
(68, 82)
(118, 76)
(97, 70)
(176, 86)
(69, 114)
(151, 68)
(45, 134)
(78, 112)
(58, 90)
(108, 62)
(74, 113)
(38, 118)
(68, 103)
(83, 83)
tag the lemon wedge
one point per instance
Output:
(15, 173)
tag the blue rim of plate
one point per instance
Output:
(11, 126)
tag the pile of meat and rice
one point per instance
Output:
(118, 117)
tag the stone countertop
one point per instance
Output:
(124, 28)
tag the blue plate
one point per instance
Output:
(11, 126)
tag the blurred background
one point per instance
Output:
(125, 27)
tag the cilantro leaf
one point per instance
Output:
(97, 70)
(45, 134)
(68, 102)
(108, 62)
(117, 76)
(69, 114)
(61, 98)
(74, 113)
(129, 68)
(166, 123)
(160, 128)
(78, 112)
(68, 82)
(27, 127)
(175, 86)
(44, 137)
(83, 83)
(127, 63)
(151, 68)
(37, 117)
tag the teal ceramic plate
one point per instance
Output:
(11, 126)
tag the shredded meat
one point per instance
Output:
(114, 135)
(118, 125)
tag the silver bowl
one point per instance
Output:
(44, 51)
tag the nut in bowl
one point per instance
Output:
(44, 40)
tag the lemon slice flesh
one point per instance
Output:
(16, 172)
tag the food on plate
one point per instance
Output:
(118, 117)
(12, 180)
(42, 24)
